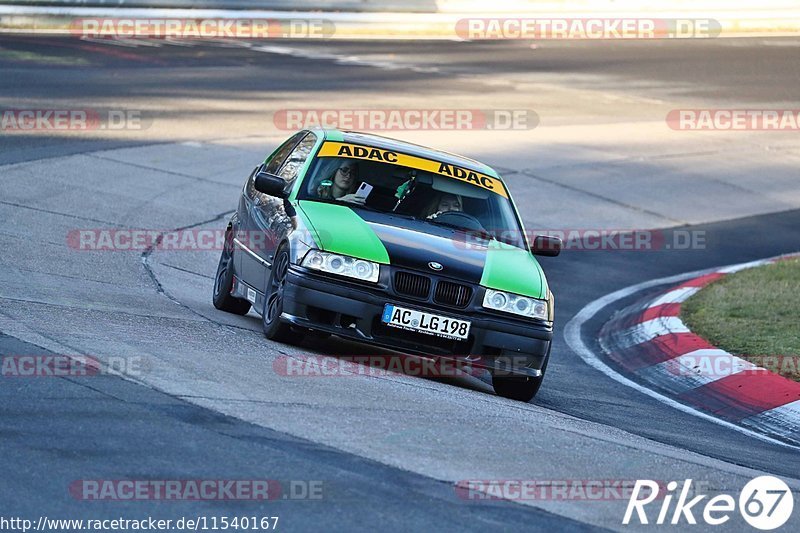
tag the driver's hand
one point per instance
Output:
(353, 199)
(436, 214)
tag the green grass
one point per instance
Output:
(752, 313)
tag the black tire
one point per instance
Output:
(274, 329)
(223, 283)
(520, 388)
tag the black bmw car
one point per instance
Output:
(392, 244)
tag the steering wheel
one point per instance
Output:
(460, 219)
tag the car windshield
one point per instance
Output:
(411, 192)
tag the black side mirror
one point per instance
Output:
(270, 184)
(546, 245)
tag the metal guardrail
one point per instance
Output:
(429, 6)
(418, 6)
(403, 19)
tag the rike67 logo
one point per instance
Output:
(765, 503)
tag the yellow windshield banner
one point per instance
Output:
(371, 153)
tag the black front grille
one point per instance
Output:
(412, 285)
(454, 294)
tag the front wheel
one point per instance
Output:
(223, 284)
(521, 388)
(274, 329)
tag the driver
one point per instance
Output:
(444, 203)
(342, 184)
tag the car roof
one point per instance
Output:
(386, 143)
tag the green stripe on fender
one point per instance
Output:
(340, 230)
(512, 269)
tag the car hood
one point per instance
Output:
(414, 244)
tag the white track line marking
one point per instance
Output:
(649, 330)
(694, 369)
(744, 266)
(341, 59)
(675, 296)
(572, 335)
(782, 420)
(111, 42)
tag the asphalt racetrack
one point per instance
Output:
(387, 451)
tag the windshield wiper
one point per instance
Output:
(334, 201)
(370, 208)
(376, 210)
(477, 232)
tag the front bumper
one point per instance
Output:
(353, 310)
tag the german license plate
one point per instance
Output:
(412, 320)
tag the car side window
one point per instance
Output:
(272, 164)
(291, 167)
(279, 156)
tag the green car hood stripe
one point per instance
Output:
(512, 269)
(338, 229)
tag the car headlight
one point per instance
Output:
(514, 303)
(343, 265)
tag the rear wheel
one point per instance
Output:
(274, 329)
(223, 284)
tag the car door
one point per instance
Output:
(271, 216)
(251, 261)
(268, 217)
